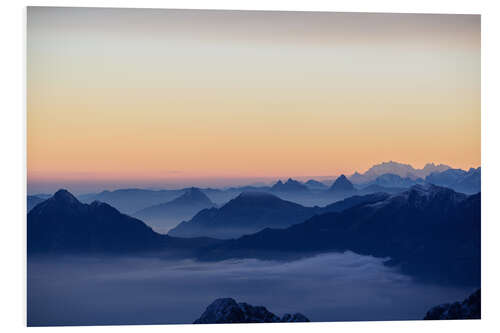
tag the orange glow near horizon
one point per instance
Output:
(116, 94)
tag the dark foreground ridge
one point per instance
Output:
(470, 308)
(64, 225)
(226, 311)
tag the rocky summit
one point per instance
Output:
(227, 310)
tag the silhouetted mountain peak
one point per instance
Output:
(64, 196)
(290, 185)
(226, 310)
(314, 184)
(342, 184)
(192, 195)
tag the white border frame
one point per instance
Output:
(13, 166)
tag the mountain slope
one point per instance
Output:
(428, 231)
(164, 216)
(470, 308)
(353, 201)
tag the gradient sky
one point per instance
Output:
(142, 96)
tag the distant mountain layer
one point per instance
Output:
(400, 169)
(374, 188)
(457, 179)
(391, 180)
(32, 201)
(253, 211)
(428, 231)
(163, 217)
(289, 186)
(226, 311)
(62, 224)
(315, 185)
(246, 214)
(470, 308)
(130, 201)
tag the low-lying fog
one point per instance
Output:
(329, 287)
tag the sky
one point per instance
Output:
(144, 97)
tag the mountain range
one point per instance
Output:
(247, 213)
(164, 216)
(428, 231)
(253, 211)
(63, 225)
(400, 169)
(389, 177)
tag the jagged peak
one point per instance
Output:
(289, 185)
(342, 184)
(227, 310)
